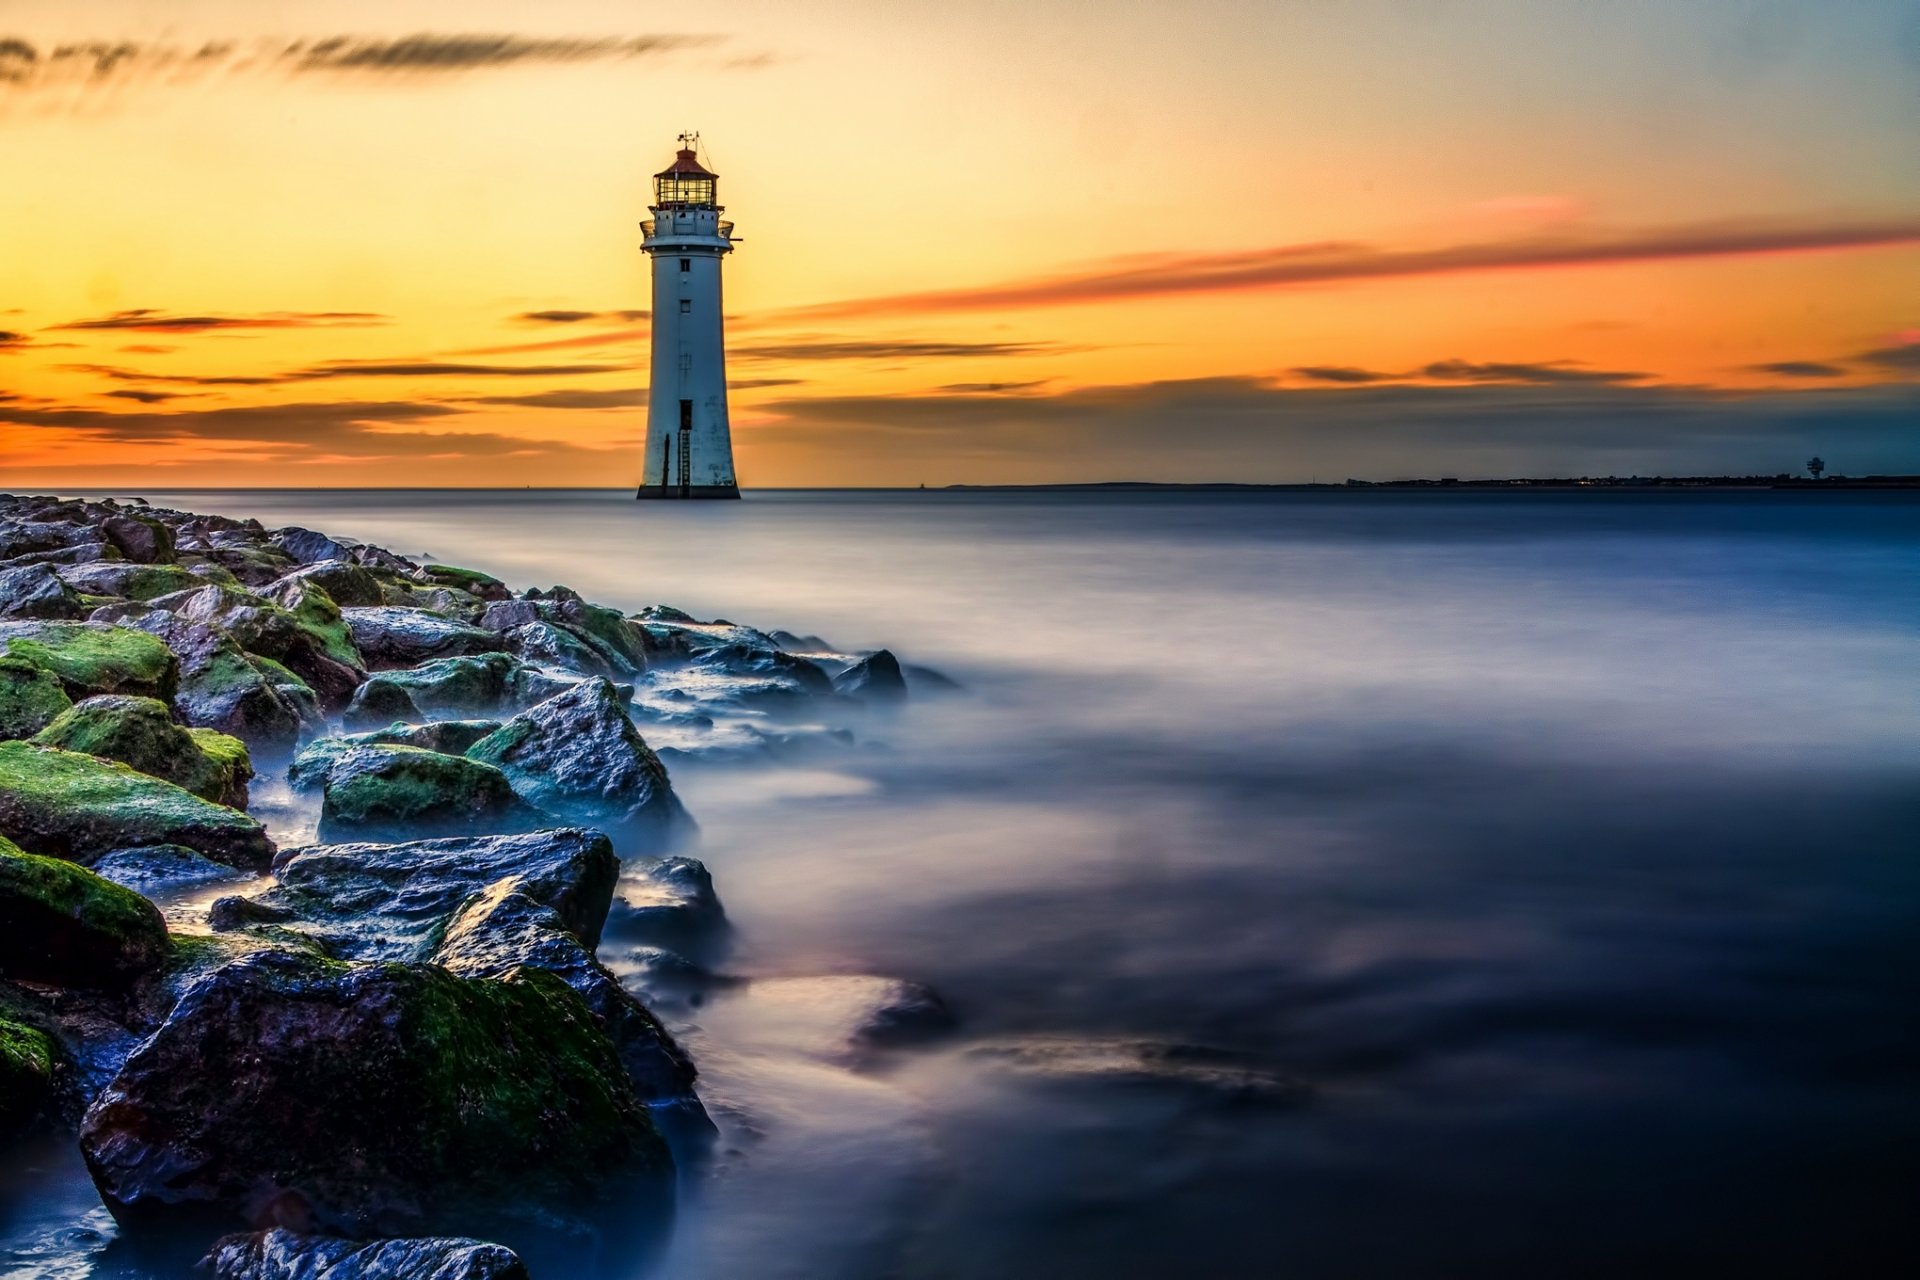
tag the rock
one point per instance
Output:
(65, 926)
(141, 539)
(347, 584)
(67, 805)
(36, 591)
(309, 638)
(141, 733)
(31, 697)
(222, 686)
(765, 678)
(578, 756)
(392, 901)
(876, 678)
(125, 581)
(502, 928)
(26, 1074)
(380, 701)
(159, 866)
(90, 658)
(668, 901)
(548, 645)
(281, 1255)
(461, 686)
(483, 585)
(80, 553)
(308, 547)
(390, 637)
(451, 737)
(253, 566)
(377, 1099)
(405, 791)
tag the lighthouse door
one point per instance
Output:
(686, 441)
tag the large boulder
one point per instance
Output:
(141, 539)
(503, 928)
(26, 1074)
(876, 678)
(392, 901)
(68, 805)
(31, 698)
(389, 636)
(451, 737)
(307, 636)
(222, 686)
(92, 658)
(400, 792)
(375, 1099)
(63, 925)
(578, 756)
(307, 547)
(349, 585)
(36, 591)
(142, 733)
(472, 581)
(380, 701)
(281, 1255)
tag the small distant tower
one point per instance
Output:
(689, 451)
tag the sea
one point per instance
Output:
(1324, 884)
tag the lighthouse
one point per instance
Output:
(689, 450)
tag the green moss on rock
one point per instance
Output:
(142, 733)
(31, 697)
(383, 1096)
(26, 1074)
(126, 581)
(407, 790)
(64, 925)
(68, 805)
(92, 657)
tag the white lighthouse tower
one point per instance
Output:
(689, 451)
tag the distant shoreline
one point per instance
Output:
(1583, 484)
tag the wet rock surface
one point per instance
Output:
(396, 790)
(283, 1255)
(446, 1097)
(62, 924)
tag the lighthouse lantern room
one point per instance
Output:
(689, 449)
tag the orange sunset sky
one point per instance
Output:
(394, 243)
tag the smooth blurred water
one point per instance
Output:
(1492, 885)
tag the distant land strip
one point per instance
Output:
(1554, 483)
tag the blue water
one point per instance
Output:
(1347, 885)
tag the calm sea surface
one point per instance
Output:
(1373, 885)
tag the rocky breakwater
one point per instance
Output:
(404, 1031)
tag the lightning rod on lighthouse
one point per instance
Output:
(689, 449)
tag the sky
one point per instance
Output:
(395, 243)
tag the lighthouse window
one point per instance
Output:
(686, 264)
(686, 306)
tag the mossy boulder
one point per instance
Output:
(26, 1074)
(313, 643)
(366, 1099)
(91, 657)
(451, 737)
(222, 686)
(142, 733)
(122, 580)
(68, 805)
(473, 581)
(402, 791)
(619, 645)
(349, 585)
(64, 925)
(142, 539)
(31, 698)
